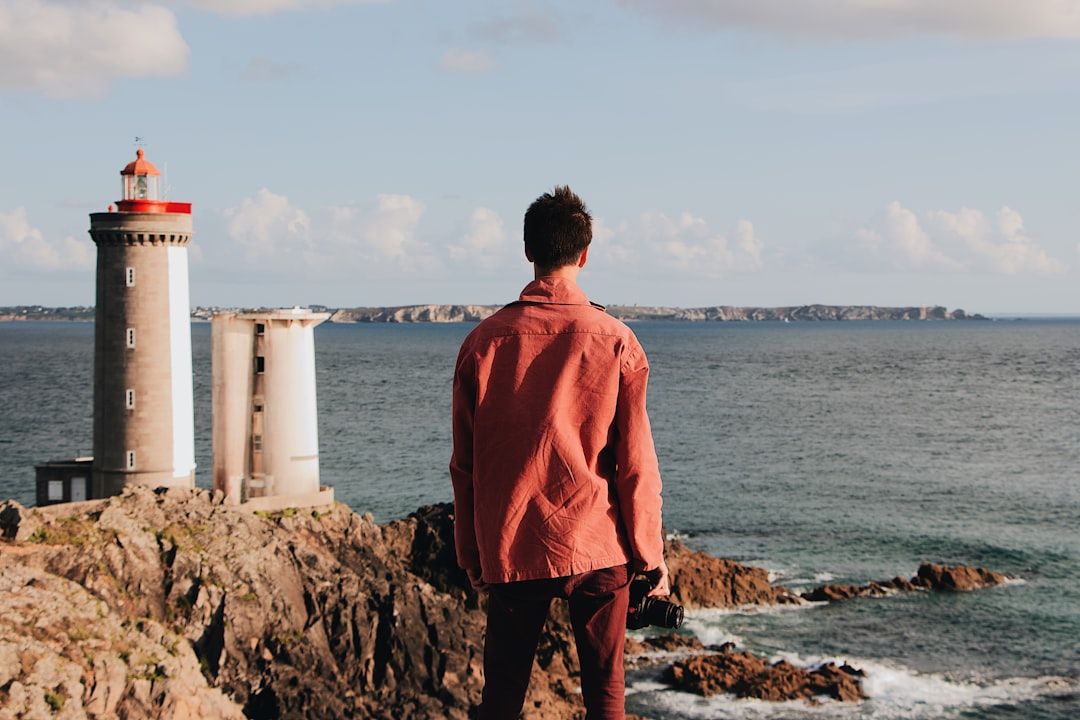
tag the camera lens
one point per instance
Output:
(644, 610)
(662, 613)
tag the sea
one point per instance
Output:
(841, 452)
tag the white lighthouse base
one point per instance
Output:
(277, 503)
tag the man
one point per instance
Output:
(556, 481)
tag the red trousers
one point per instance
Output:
(517, 611)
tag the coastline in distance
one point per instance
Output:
(629, 313)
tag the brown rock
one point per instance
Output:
(748, 676)
(958, 577)
(701, 580)
(672, 643)
(170, 604)
(929, 577)
(297, 614)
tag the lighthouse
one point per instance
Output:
(143, 406)
(265, 419)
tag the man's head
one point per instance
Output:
(558, 229)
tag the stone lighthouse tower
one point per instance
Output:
(143, 406)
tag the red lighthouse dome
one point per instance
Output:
(142, 188)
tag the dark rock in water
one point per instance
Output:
(701, 580)
(958, 577)
(929, 577)
(669, 644)
(169, 604)
(748, 676)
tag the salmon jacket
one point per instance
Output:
(553, 467)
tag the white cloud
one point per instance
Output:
(605, 245)
(275, 236)
(387, 231)
(26, 248)
(77, 49)
(878, 18)
(470, 62)
(523, 23)
(902, 242)
(747, 244)
(1003, 247)
(269, 229)
(484, 244)
(69, 48)
(963, 241)
(686, 245)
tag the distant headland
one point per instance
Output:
(629, 313)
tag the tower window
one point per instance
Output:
(130, 399)
(256, 443)
(131, 460)
(131, 277)
(260, 364)
(260, 328)
(131, 337)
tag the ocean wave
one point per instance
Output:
(894, 693)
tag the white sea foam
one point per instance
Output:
(711, 633)
(894, 693)
(796, 577)
(707, 616)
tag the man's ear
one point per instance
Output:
(584, 257)
(528, 255)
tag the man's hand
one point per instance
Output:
(659, 578)
(476, 580)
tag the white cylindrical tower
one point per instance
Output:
(265, 418)
(143, 403)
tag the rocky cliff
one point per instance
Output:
(799, 313)
(475, 313)
(718, 313)
(169, 604)
(414, 313)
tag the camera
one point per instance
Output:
(645, 610)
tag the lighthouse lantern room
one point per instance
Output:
(141, 179)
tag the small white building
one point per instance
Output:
(265, 419)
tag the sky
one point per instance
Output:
(732, 152)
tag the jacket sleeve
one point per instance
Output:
(461, 461)
(638, 482)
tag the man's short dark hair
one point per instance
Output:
(558, 228)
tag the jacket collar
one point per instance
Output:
(555, 290)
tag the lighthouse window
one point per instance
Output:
(260, 364)
(131, 277)
(260, 328)
(131, 460)
(131, 399)
(131, 337)
(256, 443)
